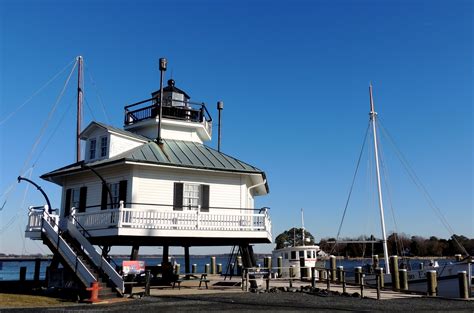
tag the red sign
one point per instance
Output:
(133, 267)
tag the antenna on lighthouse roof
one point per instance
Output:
(163, 63)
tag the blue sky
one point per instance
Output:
(294, 77)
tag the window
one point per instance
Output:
(75, 195)
(103, 147)
(308, 254)
(286, 255)
(114, 190)
(92, 148)
(293, 255)
(191, 196)
(301, 254)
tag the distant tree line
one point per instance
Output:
(400, 244)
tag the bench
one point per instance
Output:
(177, 281)
(204, 280)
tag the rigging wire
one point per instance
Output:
(352, 186)
(416, 180)
(35, 93)
(99, 97)
(50, 115)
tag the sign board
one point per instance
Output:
(133, 267)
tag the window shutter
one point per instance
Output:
(123, 191)
(178, 197)
(104, 197)
(67, 203)
(204, 198)
(82, 199)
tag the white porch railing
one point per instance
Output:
(226, 220)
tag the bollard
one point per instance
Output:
(458, 257)
(147, 282)
(362, 285)
(213, 265)
(269, 262)
(267, 281)
(375, 262)
(243, 282)
(322, 274)
(421, 266)
(332, 260)
(343, 280)
(463, 285)
(239, 265)
(313, 277)
(231, 270)
(23, 273)
(207, 268)
(177, 269)
(247, 280)
(358, 273)
(36, 276)
(194, 268)
(291, 273)
(219, 268)
(280, 265)
(432, 283)
(340, 269)
(380, 272)
(394, 273)
(403, 277)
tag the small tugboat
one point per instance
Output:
(297, 255)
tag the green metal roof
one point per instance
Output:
(176, 153)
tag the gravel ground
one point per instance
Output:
(272, 302)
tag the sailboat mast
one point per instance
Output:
(79, 108)
(373, 119)
(302, 224)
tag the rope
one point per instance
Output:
(34, 94)
(412, 174)
(352, 186)
(50, 115)
(99, 98)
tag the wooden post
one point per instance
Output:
(403, 279)
(213, 265)
(362, 285)
(147, 282)
(134, 252)
(207, 268)
(313, 277)
(328, 281)
(219, 268)
(340, 269)
(394, 273)
(269, 262)
(194, 268)
(37, 270)
(291, 275)
(332, 260)
(375, 262)
(243, 282)
(463, 285)
(380, 272)
(23, 273)
(321, 274)
(280, 265)
(247, 279)
(231, 269)
(343, 279)
(186, 260)
(358, 274)
(239, 265)
(432, 283)
(177, 269)
(378, 275)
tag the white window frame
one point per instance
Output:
(191, 196)
(92, 148)
(115, 192)
(75, 196)
(104, 148)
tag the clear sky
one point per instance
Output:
(294, 77)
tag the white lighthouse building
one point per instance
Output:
(153, 183)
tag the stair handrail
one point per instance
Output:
(96, 257)
(61, 245)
